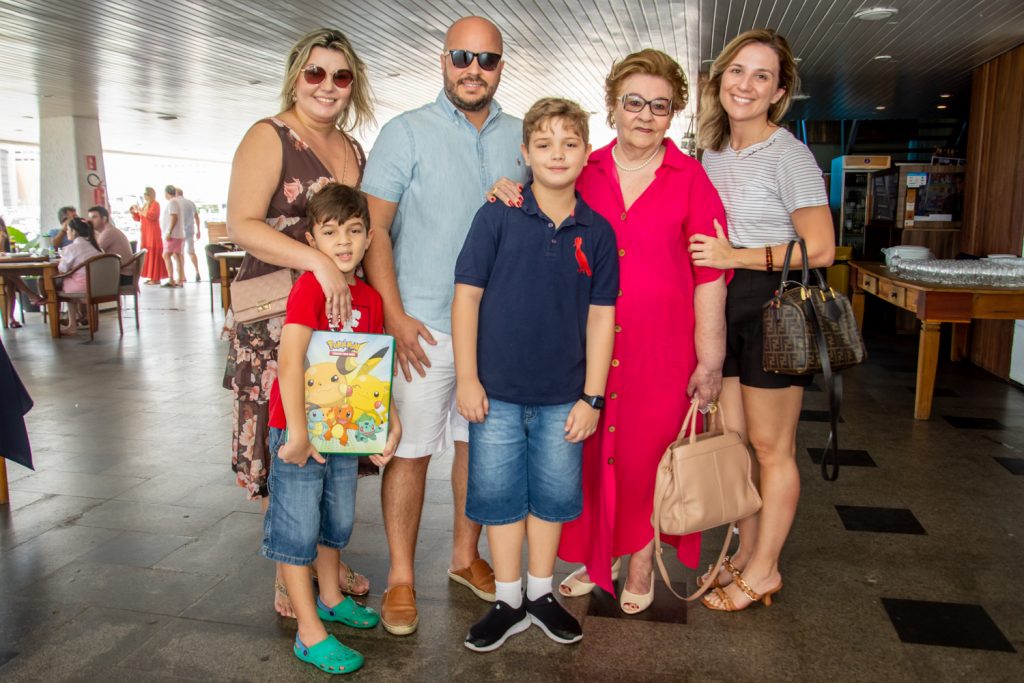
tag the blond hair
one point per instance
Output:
(712, 120)
(359, 110)
(651, 63)
(544, 110)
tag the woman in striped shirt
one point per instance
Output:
(773, 192)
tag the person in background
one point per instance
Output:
(773, 192)
(281, 162)
(111, 240)
(81, 247)
(190, 218)
(10, 284)
(173, 228)
(148, 217)
(64, 214)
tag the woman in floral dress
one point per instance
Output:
(281, 162)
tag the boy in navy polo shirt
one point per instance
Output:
(533, 327)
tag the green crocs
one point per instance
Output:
(348, 612)
(329, 655)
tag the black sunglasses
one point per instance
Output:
(315, 75)
(488, 61)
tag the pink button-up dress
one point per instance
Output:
(653, 359)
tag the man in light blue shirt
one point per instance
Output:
(427, 175)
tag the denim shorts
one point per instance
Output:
(520, 463)
(310, 505)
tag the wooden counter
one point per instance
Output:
(933, 305)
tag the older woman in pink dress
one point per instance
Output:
(670, 325)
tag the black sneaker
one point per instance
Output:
(498, 625)
(553, 619)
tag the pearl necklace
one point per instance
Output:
(634, 168)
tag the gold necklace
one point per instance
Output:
(634, 168)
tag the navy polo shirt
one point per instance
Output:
(539, 281)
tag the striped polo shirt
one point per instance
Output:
(762, 185)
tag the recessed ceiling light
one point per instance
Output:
(255, 81)
(875, 13)
(945, 95)
(166, 117)
(798, 59)
(941, 106)
(801, 96)
(882, 58)
(880, 107)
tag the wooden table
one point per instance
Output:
(933, 305)
(227, 259)
(35, 265)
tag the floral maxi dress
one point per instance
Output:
(252, 358)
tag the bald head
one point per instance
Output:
(473, 29)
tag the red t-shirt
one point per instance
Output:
(307, 306)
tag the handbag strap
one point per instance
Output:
(805, 278)
(691, 419)
(658, 551)
(834, 388)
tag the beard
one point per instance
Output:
(479, 104)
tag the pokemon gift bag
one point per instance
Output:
(348, 391)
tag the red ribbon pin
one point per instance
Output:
(581, 258)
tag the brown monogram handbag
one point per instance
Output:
(809, 329)
(703, 482)
(261, 298)
(793, 317)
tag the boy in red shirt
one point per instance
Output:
(312, 502)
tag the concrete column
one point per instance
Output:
(70, 166)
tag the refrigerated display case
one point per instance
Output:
(850, 197)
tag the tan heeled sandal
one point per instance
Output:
(726, 603)
(642, 601)
(716, 583)
(573, 587)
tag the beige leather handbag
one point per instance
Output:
(703, 482)
(261, 298)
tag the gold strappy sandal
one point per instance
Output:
(716, 583)
(727, 604)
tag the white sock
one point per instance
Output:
(509, 592)
(537, 587)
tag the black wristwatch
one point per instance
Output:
(595, 402)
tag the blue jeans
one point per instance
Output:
(310, 505)
(520, 463)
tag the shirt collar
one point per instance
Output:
(454, 114)
(581, 215)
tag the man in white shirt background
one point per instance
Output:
(190, 219)
(173, 229)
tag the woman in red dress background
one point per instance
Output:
(152, 240)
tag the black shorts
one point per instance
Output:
(749, 290)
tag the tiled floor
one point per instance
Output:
(130, 555)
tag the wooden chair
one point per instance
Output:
(213, 265)
(217, 232)
(103, 278)
(138, 261)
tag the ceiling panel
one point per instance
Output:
(216, 66)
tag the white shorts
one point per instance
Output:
(426, 405)
(190, 244)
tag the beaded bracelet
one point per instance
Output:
(768, 264)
